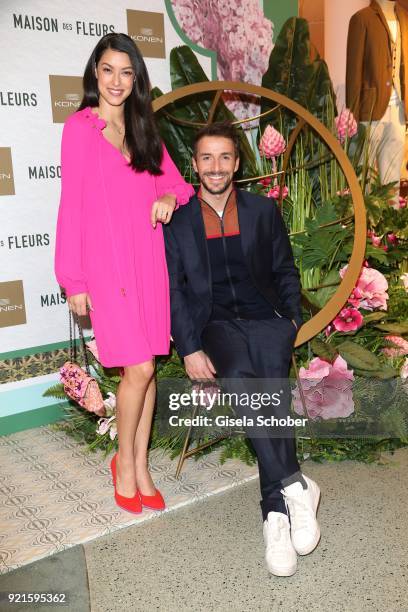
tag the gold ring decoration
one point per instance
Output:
(320, 320)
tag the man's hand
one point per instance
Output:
(78, 303)
(162, 209)
(198, 366)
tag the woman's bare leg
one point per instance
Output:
(130, 400)
(143, 479)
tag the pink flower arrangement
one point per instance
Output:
(346, 125)
(372, 287)
(275, 192)
(240, 34)
(399, 346)
(327, 388)
(272, 143)
(348, 319)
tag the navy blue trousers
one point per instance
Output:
(241, 350)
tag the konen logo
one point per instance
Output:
(12, 304)
(66, 95)
(6, 172)
(147, 30)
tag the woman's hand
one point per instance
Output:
(162, 209)
(78, 303)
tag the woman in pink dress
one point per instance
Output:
(118, 186)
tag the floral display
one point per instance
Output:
(346, 125)
(240, 34)
(327, 388)
(272, 143)
(371, 289)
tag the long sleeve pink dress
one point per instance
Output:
(106, 245)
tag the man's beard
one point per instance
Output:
(219, 190)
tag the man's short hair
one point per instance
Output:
(222, 129)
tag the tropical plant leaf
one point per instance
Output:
(55, 391)
(393, 328)
(324, 350)
(359, 357)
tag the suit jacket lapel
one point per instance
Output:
(246, 224)
(377, 9)
(199, 235)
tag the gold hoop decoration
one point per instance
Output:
(337, 301)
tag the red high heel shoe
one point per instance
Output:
(155, 501)
(130, 504)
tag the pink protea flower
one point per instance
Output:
(327, 388)
(348, 319)
(346, 125)
(276, 191)
(399, 346)
(404, 279)
(272, 143)
(372, 286)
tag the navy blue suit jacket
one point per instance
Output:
(268, 255)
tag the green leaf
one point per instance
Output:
(393, 328)
(323, 349)
(56, 391)
(358, 357)
(374, 316)
(185, 69)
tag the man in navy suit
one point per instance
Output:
(235, 311)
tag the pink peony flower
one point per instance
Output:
(399, 346)
(346, 125)
(355, 297)
(348, 319)
(272, 143)
(373, 287)
(404, 279)
(275, 192)
(327, 388)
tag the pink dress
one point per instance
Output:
(106, 245)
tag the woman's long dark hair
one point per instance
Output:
(142, 136)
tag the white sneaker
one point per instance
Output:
(280, 556)
(302, 506)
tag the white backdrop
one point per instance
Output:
(32, 311)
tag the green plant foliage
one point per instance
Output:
(185, 69)
(358, 357)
